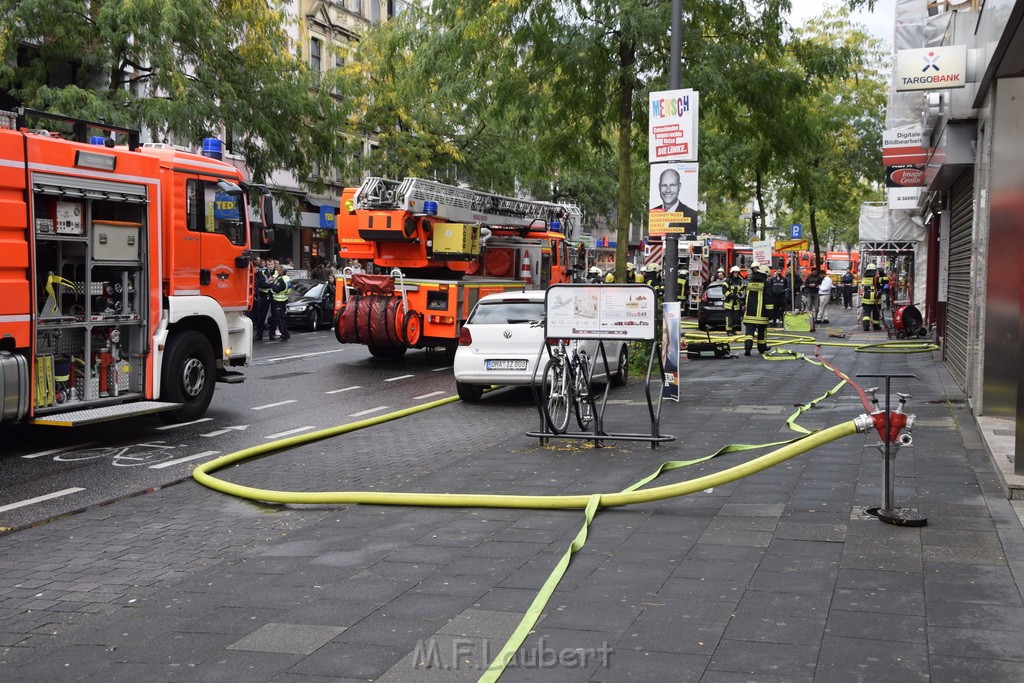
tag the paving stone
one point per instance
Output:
(875, 626)
(780, 628)
(980, 643)
(776, 659)
(844, 659)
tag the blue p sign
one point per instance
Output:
(796, 231)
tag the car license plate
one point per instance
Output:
(503, 364)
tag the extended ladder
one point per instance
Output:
(463, 205)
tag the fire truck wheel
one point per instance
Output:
(188, 376)
(412, 328)
(386, 351)
(470, 393)
(621, 375)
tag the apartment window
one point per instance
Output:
(315, 54)
(374, 11)
(353, 6)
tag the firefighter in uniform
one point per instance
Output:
(757, 307)
(632, 275)
(609, 277)
(734, 298)
(280, 289)
(870, 299)
(594, 275)
(653, 278)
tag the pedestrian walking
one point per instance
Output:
(847, 282)
(824, 299)
(756, 310)
(811, 286)
(778, 286)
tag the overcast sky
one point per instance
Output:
(879, 22)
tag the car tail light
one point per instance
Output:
(465, 338)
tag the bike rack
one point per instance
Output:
(597, 433)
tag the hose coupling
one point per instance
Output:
(863, 423)
(906, 439)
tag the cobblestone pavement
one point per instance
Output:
(778, 576)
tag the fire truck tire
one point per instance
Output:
(188, 376)
(470, 393)
(385, 351)
(412, 328)
(340, 325)
(621, 375)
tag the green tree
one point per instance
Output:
(839, 151)
(179, 69)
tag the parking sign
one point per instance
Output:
(796, 231)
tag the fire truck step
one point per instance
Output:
(231, 377)
(74, 418)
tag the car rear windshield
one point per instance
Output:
(715, 292)
(507, 313)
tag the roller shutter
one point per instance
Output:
(958, 306)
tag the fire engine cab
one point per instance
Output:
(124, 272)
(439, 249)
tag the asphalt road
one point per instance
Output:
(306, 384)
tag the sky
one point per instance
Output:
(879, 22)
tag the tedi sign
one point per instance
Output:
(931, 68)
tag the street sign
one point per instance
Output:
(791, 245)
(796, 231)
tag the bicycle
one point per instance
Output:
(565, 387)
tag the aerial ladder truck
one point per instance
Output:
(438, 248)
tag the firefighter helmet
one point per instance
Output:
(720, 270)
(734, 269)
(870, 266)
(755, 267)
(630, 266)
(594, 270)
(654, 267)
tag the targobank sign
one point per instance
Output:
(931, 68)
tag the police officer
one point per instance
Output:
(870, 299)
(279, 291)
(262, 305)
(847, 284)
(734, 297)
(757, 307)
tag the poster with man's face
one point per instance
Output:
(673, 199)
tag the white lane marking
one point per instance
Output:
(274, 405)
(290, 432)
(338, 391)
(447, 367)
(267, 361)
(395, 379)
(367, 412)
(184, 424)
(54, 451)
(433, 393)
(218, 432)
(162, 465)
(39, 499)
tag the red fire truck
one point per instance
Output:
(440, 248)
(125, 274)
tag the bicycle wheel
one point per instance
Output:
(556, 394)
(581, 398)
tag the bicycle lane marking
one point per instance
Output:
(39, 499)
(54, 451)
(204, 454)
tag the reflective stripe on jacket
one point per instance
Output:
(756, 306)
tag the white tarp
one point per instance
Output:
(878, 223)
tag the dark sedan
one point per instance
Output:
(310, 305)
(711, 308)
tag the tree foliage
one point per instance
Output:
(180, 69)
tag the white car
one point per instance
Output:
(502, 341)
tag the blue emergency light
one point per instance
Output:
(556, 226)
(430, 208)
